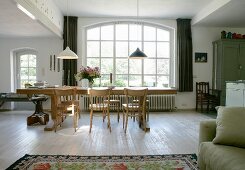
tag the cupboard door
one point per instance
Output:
(241, 62)
(230, 67)
(234, 97)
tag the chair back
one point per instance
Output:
(136, 98)
(98, 97)
(65, 95)
(202, 88)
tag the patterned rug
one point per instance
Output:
(69, 162)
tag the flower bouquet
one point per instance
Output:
(89, 73)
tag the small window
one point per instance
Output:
(26, 68)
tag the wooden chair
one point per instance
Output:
(135, 106)
(100, 101)
(115, 104)
(66, 105)
(206, 96)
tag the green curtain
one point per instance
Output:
(184, 54)
(70, 66)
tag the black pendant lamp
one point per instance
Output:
(137, 54)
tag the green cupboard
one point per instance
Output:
(228, 63)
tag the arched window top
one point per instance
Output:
(25, 50)
(131, 22)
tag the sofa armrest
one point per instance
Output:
(207, 130)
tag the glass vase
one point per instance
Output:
(90, 84)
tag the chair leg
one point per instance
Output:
(75, 119)
(108, 117)
(144, 122)
(126, 123)
(118, 114)
(196, 104)
(91, 120)
(201, 107)
(123, 117)
(208, 107)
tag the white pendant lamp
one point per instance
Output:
(67, 53)
(137, 54)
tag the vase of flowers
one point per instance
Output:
(89, 73)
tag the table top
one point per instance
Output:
(80, 90)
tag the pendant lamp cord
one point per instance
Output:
(67, 23)
(137, 22)
(137, 10)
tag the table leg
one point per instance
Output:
(50, 125)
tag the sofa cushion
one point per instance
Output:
(220, 157)
(230, 128)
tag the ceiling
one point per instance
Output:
(217, 13)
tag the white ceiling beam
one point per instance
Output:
(209, 9)
(50, 18)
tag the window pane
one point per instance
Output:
(149, 81)
(150, 49)
(93, 34)
(135, 80)
(23, 61)
(32, 61)
(122, 66)
(122, 32)
(163, 35)
(133, 46)
(105, 80)
(121, 49)
(93, 49)
(149, 33)
(121, 81)
(106, 66)
(106, 49)
(96, 82)
(135, 66)
(93, 62)
(23, 73)
(149, 66)
(163, 49)
(163, 66)
(32, 73)
(135, 32)
(107, 32)
(162, 81)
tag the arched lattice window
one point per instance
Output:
(109, 45)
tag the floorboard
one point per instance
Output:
(170, 133)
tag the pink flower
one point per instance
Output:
(89, 73)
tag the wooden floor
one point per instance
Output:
(170, 133)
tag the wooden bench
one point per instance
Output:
(38, 116)
(13, 97)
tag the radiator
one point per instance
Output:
(156, 102)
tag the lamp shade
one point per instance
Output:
(137, 54)
(67, 54)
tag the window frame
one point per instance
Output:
(18, 55)
(172, 57)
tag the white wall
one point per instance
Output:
(202, 42)
(202, 38)
(44, 47)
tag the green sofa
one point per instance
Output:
(217, 155)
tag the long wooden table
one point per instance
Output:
(83, 91)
